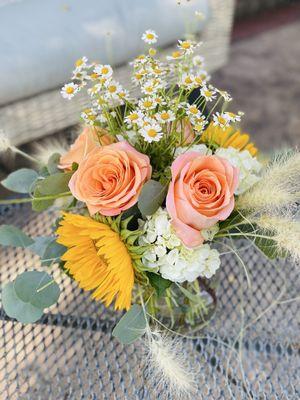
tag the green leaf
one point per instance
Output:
(20, 181)
(131, 326)
(52, 164)
(40, 244)
(18, 309)
(40, 205)
(36, 288)
(12, 236)
(52, 253)
(53, 185)
(160, 284)
(269, 246)
(151, 197)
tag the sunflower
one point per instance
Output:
(228, 137)
(97, 259)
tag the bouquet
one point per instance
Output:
(150, 194)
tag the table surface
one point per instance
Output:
(70, 354)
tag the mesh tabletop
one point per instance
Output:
(250, 350)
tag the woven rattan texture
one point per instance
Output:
(70, 353)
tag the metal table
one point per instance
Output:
(70, 354)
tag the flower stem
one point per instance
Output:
(30, 199)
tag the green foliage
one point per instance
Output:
(53, 185)
(160, 284)
(12, 236)
(26, 297)
(21, 180)
(131, 326)
(152, 196)
(18, 309)
(48, 249)
(52, 164)
(36, 288)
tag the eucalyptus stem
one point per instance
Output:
(243, 234)
(30, 199)
(45, 286)
(25, 155)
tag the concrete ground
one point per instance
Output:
(263, 76)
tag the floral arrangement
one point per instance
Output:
(151, 192)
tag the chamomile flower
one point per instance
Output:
(69, 90)
(123, 95)
(221, 119)
(149, 37)
(81, 63)
(113, 88)
(187, 80)
(165, 116)
(99, 103)
(176, 55)
(147, 103)
(94, 90)
(135, 117)
(226, 96)
(89, 115)
(233, 117)
(199, 124)
(208, 93)
(152, 86)
(193, 111)
(80, 75)
(198, 61)
(104, 71)
(187, 46)
(152, 52)
(151, 133)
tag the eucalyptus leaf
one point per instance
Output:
(36, 288)
(52, 164)
(40, 244)
(160, 284)
(52, 253)
(131, 326)
(21, 180)
(53, 184)
(40, 205)
(152, 196)
(12, 236)
(18, 309)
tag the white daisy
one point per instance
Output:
(208, 93)
(147, 103)
(135, 117)
(187, 80)
(187, 46)
(165, 116)
(176, 55)
(105, 71)
(198, 61)
(81, 63)
(69, 90)
(149, 37)
(222, 120)
(193, 111)
(151, 133)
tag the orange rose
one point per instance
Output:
(200, 194)
(88, 140)
(110, 178)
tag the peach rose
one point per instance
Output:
(88, 140)
(200, 194)
(110, 178)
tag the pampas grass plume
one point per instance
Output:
(167, 368)
(46, 148)
(279, 187)
(286, 232)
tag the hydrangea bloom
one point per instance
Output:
(248, 166)
(170, 257)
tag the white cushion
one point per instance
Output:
(41, 39)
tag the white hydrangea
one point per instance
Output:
(167, 254)
(248, 166)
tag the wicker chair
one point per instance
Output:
(43, 114)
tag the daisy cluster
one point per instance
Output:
(165, 87)
(167, 254)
